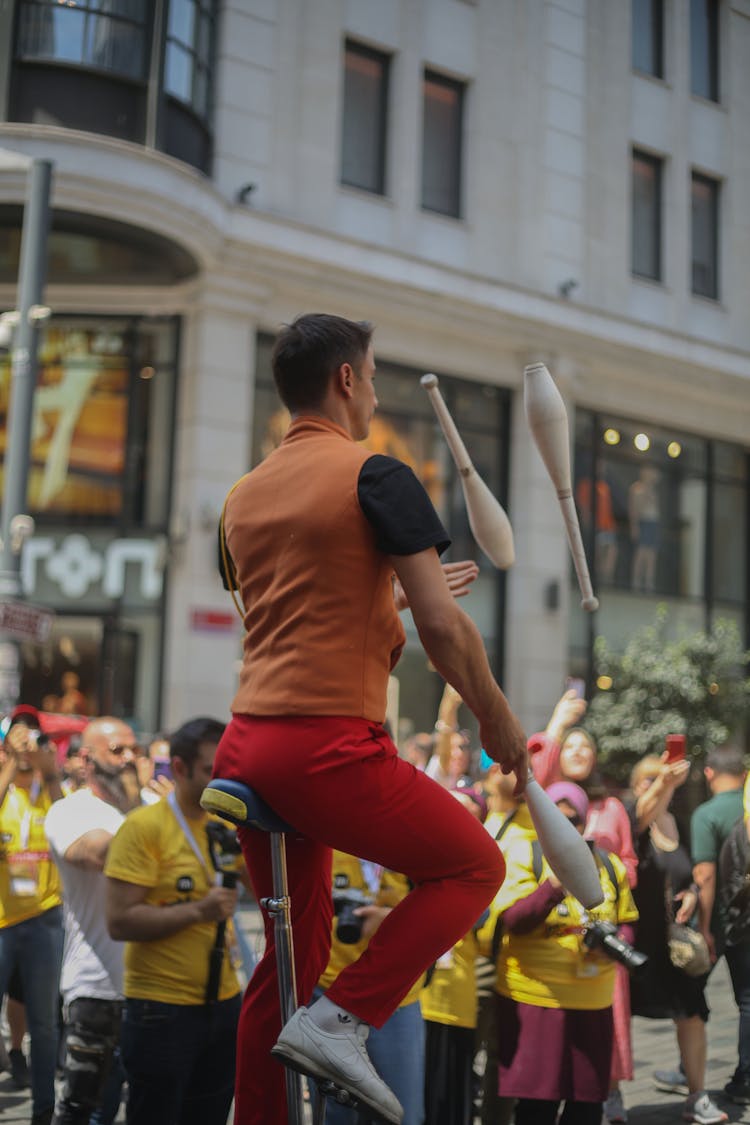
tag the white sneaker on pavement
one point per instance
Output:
(614, 1110)
(671, 1082)
(338, 1056)
(702, 1110)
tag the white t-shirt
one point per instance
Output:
(92, 961)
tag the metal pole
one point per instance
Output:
(31, 279)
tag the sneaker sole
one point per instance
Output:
(289, 1057)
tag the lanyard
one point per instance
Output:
(187, 832)
(25, 818)
(371, 873)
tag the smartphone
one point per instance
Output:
(574, 683)
(676, 748)
(163, 768)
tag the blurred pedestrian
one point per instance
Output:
(666, 892)
(80, 830)
(182, 996)
(554, 984)
(31, 933)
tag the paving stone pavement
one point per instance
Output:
(654, 1048)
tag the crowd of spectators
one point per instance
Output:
(122, 966)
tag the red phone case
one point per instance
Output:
(676, 747)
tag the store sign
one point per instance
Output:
(26, 622)
(76, 566)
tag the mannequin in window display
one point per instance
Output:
(606, 526)
(72, 701)
(645, 516)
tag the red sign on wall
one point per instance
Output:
(213, 620)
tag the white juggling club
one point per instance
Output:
(566, 851)
(489, 524)
(548, 422)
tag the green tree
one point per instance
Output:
(697, 686)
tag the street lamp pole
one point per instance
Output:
(13, 526)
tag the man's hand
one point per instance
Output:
(504, 741)
(459, 576)
(371, 916)
(218, 905)
(162, 786)
(43, 757)
(688, 901)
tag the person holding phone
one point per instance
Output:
(665, 891)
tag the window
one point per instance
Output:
(705, 234)
(101, 437)
(107, 35)
(189, 53)
(442, 144)
(704, 49)
(646, 216)
(139, 70)
(648, 37)
(365, 118)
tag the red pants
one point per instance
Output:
(341, 783)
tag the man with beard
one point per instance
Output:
(31, 934)
(79, 830)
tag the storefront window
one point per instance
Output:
(101, 432)
(405, 427)
(645, 517)
(667, 521)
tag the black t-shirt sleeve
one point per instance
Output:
(396, 504)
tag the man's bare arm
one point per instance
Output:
(455, 647)
(131, 918)
(704, 875)
(89, 851)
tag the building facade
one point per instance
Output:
(492, 184)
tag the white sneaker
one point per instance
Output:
(701, 1109)
(339, 1057)
(614, 1110)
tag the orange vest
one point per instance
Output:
(323, 632)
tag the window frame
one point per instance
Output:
(705, 57)
(654, 32)
(656, 163)
(456, 189)
(700, 178)
(378, 186)
(88, 9)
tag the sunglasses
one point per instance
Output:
(575, 820)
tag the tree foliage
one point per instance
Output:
(698, 686)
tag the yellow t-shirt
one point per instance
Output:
(549, 966)
(450, 995)
(518, 826)
(29, 880)
(392, 888)
(151, 850)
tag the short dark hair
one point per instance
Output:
(309, 350)
(726, 759)
(186, 741)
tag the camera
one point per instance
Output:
(223, 842)
(348, 924)
(603, 935)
